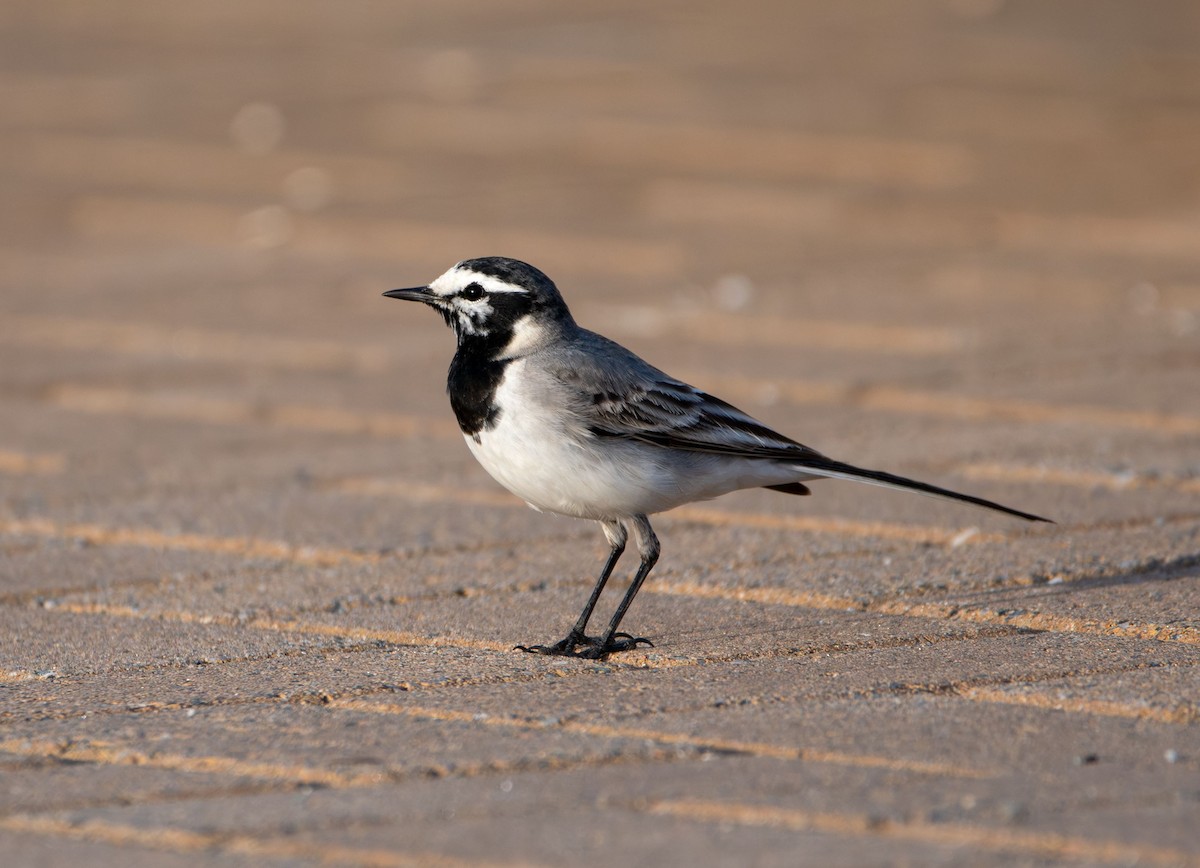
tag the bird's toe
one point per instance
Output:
(587, 647)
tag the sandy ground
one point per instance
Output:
(257, 602)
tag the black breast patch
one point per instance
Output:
(472, 384)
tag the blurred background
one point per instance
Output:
(955, 239)
(966, 148)
(795, 203)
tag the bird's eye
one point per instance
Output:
(472, 292)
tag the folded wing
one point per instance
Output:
(657, 409)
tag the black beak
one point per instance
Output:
(416, 293)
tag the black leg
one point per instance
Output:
(586, 614)
(616, 535)
(577, 644)
(649, 549)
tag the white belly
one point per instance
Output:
(539, 457)
(554, 471)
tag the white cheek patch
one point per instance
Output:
(472, 316)
(527, 334)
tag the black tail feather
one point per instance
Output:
(840, 470)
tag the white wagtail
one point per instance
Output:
(573, 423)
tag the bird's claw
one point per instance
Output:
(587, 647)
(618, 642)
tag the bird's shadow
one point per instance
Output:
(1153, 571)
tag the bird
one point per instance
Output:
(573, 423)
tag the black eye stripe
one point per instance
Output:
(472, 292)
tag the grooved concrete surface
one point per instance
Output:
(257, 603)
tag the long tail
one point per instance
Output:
(839, 470)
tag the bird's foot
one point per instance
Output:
(587, 647)
(598, 650)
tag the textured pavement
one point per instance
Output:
(258, 603)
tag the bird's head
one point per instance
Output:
(498, 302)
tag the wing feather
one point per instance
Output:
(625, 397)
(633, 400)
